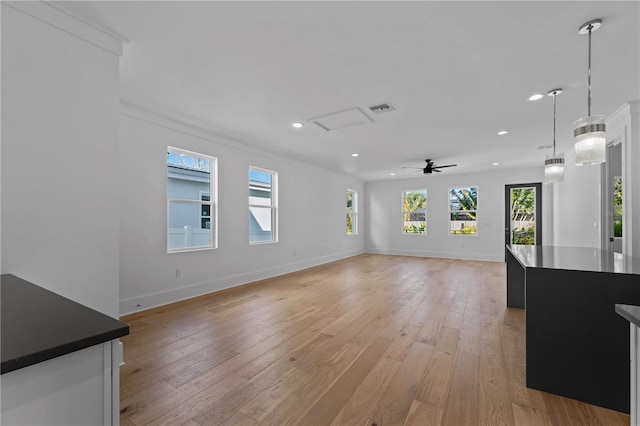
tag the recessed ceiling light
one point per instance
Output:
(503, 132)
(355, 155)
(536, 97)
(297, 124)
(392, 174)
(495, 164)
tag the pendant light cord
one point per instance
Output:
(589, 76)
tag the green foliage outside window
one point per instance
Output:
(413, 229)
(414, 211)
(468, 230)
(523, 204)
(617, 207)
(463, 205)
(350, 211)
(524, 235)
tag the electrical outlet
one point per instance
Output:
(178, 272)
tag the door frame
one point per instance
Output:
(507, 210)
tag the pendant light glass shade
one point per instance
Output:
(589, 132)
(590, 139)
(554, 168)
(554, 164)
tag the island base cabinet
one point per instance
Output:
(80, 388)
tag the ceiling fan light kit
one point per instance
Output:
(589, 132)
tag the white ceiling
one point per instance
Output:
(456, 72)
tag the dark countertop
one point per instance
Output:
(575, 259)
(630, 312)
(38, 325)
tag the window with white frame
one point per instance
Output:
(463, 211)
(263, 206)
(352, 212)
(191, 200)
(414, 211)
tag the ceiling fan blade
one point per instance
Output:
(435, 169)
(408, 167)
(442, 167)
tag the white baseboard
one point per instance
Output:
(437, 254)
(154, 300)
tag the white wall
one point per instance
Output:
(312, 208)
(384, 215)
(577, 206)
(59, 150)
(577, 202)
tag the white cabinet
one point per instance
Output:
(632, 314)
(80, 388)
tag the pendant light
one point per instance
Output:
(554, 164)
(589, 132)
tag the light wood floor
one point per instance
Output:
(370, 340)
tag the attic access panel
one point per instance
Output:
(337, 120)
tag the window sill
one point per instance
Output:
(185, 250)
(260, 243)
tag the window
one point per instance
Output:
(263, 206)
(191, 200)
(414, 207)
(463, 210)
(352, 212)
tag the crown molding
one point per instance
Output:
(138, 112)
(133, 110)
(67, 21)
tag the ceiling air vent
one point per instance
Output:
(382, 108)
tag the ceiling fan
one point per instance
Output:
(430, 168)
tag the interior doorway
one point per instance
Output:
(523, 214)
(613, 226)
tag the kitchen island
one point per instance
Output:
(576, 344)
(60, 359)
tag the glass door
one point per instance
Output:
(523, 204)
